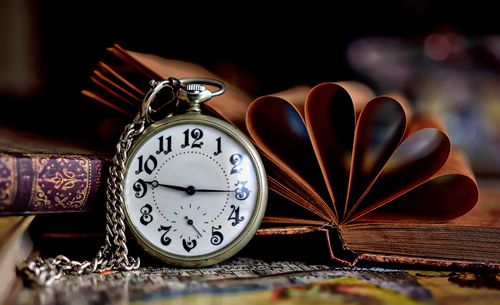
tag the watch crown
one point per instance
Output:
(195, 88)
(194, 92)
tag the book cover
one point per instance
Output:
(374, 178)
(15, 245)
(42, 175)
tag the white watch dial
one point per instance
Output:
(190, 190)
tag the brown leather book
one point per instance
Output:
(377, 181)
(40, 174)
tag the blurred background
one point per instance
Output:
(445, 56)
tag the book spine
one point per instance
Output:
(45, 183)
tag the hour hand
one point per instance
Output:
(190, 190)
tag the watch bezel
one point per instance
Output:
(260, 206)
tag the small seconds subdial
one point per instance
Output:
(188, 226)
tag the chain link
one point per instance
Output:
(113, 255)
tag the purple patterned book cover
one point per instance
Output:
(48, 183)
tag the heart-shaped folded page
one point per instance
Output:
(450, 193)
(278, 129)
(353, 139)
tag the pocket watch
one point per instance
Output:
(195, 188)
(192, 188)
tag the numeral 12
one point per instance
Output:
(196, 134)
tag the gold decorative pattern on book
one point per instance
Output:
(8, 183)
(61, 182)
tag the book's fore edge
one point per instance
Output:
(45, 183)
(425, 262)
(409, 261)
(106, 103)
(123, 55)
(109, 69)
(115, 90)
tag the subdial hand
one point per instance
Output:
(190, 222)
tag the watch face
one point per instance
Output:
(193, 191)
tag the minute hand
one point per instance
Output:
(190, 190)
(214, 191)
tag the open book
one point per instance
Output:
(380, 183)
